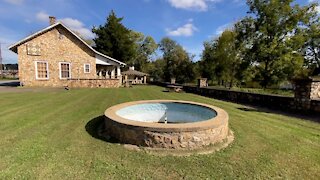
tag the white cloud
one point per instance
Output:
(200, 5)
(15, 2)
(73, 24)
(42, 16)
(77, 26)
(185, 30)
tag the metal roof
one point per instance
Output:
(134, 72)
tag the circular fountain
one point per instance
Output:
(167, 124)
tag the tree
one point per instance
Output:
(145, 47)
(312, 45)
(156, 69)
(113, 39)
(222, 60)
(177, 62)
(276, 39)
(208, 61)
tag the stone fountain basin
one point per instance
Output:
(138, 127)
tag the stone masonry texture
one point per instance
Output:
(57, 45)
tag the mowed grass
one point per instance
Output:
(43, 136)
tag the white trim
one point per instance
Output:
(101, 62)
(60, 70)
(36, 69)
(59, 23)
(84, 68)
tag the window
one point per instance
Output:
(42, 71)
(86, 68)
(65, 70)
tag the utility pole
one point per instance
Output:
(0, 59)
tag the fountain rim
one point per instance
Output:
(220, 119)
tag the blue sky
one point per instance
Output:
(189, 22)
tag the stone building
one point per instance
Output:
(57, 57)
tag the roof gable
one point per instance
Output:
(15, 46)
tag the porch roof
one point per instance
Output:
(134, 72)
(100, 62)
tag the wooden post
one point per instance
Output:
(144, 79)
(126, 80)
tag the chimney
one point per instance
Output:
(52, 20)
(131, 68)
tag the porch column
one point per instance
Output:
(118, 72)
(126, 80)
(100, 74)
(112, 72)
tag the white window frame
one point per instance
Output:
(36, 68)
(60, 70)
(84, 68)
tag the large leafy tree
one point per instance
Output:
(209, 61)
(114, 39)
(312, 45)
(156, 69)
(177, 62)
(222, 60)
(275, 39)
(145, 47)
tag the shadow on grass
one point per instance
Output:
(95, 127)
(306, 116)
(10, 83)
(247, 109)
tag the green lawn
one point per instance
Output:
(43, 136)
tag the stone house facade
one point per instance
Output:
(57, 57)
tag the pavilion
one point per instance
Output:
(134, 77)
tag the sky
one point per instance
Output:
(189, 22)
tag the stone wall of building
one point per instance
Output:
(57, 45)
(94, 83)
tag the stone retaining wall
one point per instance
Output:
(93, 83)
(301, 103)
(315, 106)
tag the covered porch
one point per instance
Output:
(108, 74)
(107, 69)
